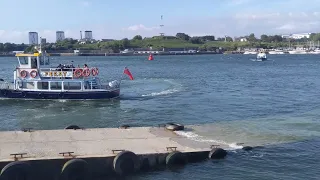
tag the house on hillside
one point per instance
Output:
(145, 51)
(240, 39)
(107, 40)
(181, 50)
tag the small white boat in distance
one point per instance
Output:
(316, 51)
(276, 52)
(250, 52)
(298, 51)
(261, 56)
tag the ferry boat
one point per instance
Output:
(34, 78)
(261, 56)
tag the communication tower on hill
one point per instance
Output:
(161, 26)
(161, 32)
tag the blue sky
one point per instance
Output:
(119, 19)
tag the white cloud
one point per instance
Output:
(316, 14)
(233, 25)
(238, 2)
(245, 23)
(140, 27)
(22, 36)
(85, 3)
(289, 27)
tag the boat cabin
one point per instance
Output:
(34, 73)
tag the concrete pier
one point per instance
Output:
(51, 149)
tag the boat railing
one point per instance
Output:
(63, 72)
(6, 85)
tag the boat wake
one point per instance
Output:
(165, 92)
(148, 88)
(195, 137)
(257, 60)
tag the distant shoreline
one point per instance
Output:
(118, 54)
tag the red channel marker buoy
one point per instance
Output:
(150, 57)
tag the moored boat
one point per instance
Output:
(34, 78)
(276, 52)
(250, 52)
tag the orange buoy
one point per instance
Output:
(150, 57)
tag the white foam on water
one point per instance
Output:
(165, 92)
(195, 137)
(150, 87)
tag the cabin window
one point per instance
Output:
(41, 61)
(47, 61)
(55, 85)
(72, 85)
(23, 60)
(43, 85)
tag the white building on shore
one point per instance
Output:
(60, 36)
(33, 38)
(297, 36)
(88, 35)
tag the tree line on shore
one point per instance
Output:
(181, 40)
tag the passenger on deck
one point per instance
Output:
(85, 66)
(34, 63)
(59, 67)
(72, 66)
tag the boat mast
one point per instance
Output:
(40, 51)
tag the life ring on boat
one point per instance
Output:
(95, 71)
(86, 72)
(33, 73)
(23, 73)
(77, 73)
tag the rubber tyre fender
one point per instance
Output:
(176, 158)
(74, 127)
(217, 153)
(145, 165)
(75, 169)
(247, 148)
(17, 170)
(174, 127)
(125, 126)
(125, 163)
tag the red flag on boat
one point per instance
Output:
(127, 72)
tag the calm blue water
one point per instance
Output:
(222, 98)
